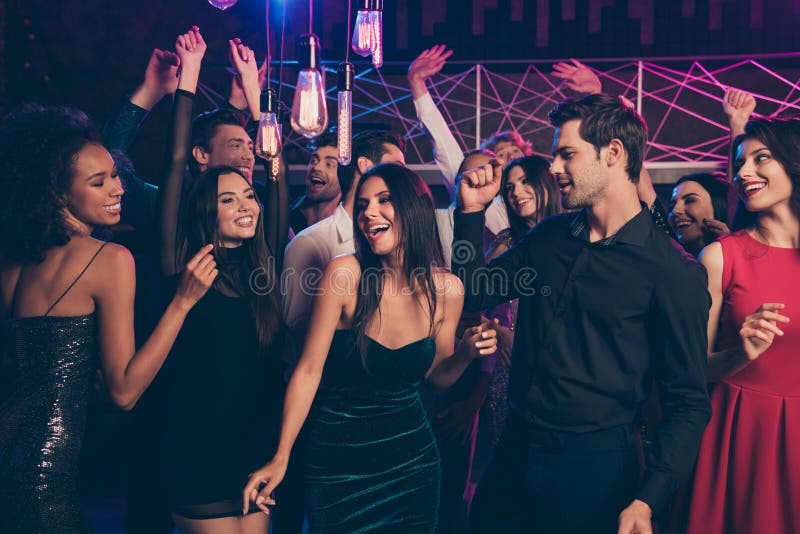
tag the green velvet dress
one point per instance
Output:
(371, 463)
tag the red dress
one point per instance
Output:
(748, 471)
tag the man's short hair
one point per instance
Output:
(603, 118)
(204, 127)
(322, 140)
(370, 144)
(508, 136)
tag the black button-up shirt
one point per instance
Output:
(597, 322)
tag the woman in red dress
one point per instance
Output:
(748, 471)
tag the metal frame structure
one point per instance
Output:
(680, 99)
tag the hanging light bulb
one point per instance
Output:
(345, 120)
(275, 162)
(309, 109)
(222, 5)
(368, 31)
(268, 139)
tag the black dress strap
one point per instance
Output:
(75, 281)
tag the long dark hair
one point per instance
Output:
(782, 138)
(38, 148)
(258, 262)
(419, 242)
(537, 172)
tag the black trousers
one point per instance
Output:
(545, 481)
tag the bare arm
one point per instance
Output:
(341, 273)
(477, 341)
(127, 371)
(738, 107)
(756, 334)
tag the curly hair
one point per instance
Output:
(38, 148)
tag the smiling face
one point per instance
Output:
(521, 195)
(376, 217)
(322, 182)
(94, 197)
(577, 168)
(760, 181)
(230, 146)
(237, 210)
(689, 206)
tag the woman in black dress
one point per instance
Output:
(226, 363)
(68, 297)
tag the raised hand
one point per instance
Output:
(160, 79)
(237, 97)
(578, 77)
(197, 277)
(162, 71)
(190, 48)
(261, 484)
(738, 106)
(243, 60)
(428, 63)
(760, 328)
(479, 186)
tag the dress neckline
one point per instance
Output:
(381, 345)
(746, 232)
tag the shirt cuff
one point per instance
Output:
(657, 491)
(185, 93)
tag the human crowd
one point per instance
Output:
(555, 351)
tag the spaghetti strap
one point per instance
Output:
(75, 281)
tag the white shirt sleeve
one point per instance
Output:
(446, 150)
(303, 265)
(496, 216)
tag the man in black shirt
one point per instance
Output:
(607, 305)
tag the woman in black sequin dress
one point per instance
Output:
(69, 297)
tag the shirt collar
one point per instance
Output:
(633, 232)
(344, 224)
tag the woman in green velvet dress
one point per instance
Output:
(384, 319)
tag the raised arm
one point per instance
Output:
(738, 107)
(578, 77)
(127, 371)
(446, 150)
(160, 79)
(339, 280)
(190, 48)
(243, 60)
(485, 286)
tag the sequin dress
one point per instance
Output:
(42, 422)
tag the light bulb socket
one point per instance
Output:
(370, 5)
(269, 100)
(308, 51)
(345, 76)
